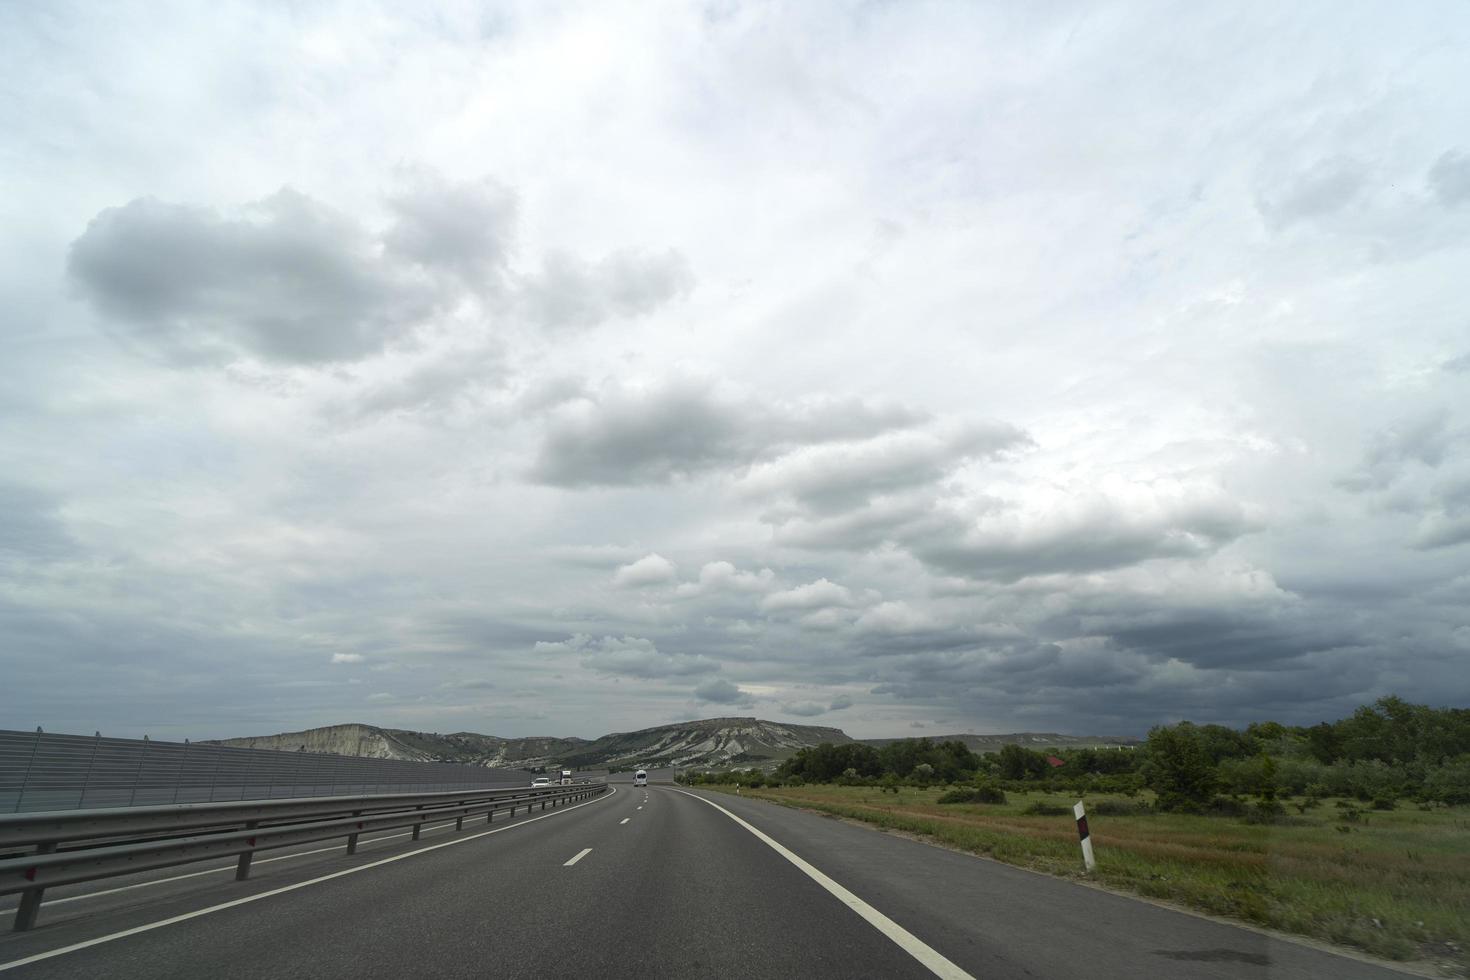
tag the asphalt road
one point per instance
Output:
(639, 882)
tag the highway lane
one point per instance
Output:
(83, 912)
(996, 921)
(61, 901)
(671, 892)
(663, 885)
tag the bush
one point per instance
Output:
(1224, 806)
(1119, 808)
(985, 793)
(795, 781)
(1179, 767)
(1041, 808)
(1384, 803)
(1450, 784)
(974, 794)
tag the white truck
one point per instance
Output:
(640, 778)
(566, 777)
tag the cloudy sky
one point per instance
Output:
(561, 369)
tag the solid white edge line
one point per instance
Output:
(624, 820)
(907, 941)
(578, 856)
(150, 926)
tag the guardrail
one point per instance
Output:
(103, 843)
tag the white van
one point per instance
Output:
(640, 778)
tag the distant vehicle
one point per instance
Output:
(566, 777)
(541, 781)
(640, 778)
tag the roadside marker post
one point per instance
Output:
(1082, 833)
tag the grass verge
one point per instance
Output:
(1394, 884)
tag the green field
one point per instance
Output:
(1392, 883)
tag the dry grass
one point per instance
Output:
(1395, 884)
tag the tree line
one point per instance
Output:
(1382, 753)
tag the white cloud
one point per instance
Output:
(721, 576)
(651, 569)
(629, 656)
(347, 658)
(894, 617)
(812, 596)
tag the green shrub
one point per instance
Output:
(974, 794)
(1450, 783)
(1041, 808)
(1224, 806)
(1179, 767)
(1384, 803)
(1118, 808)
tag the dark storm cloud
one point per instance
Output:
(1450, 178)
(571, 292)
(289, 281)
(1218, 639)
(717, 691)
(31, 525)
(683, 429)
(1120, 690)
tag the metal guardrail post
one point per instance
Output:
(352, 838)
(242, 870)
(30, 901)
(417, 826)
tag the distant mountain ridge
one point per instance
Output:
(708, 742)
(372, 742)
(713, 741)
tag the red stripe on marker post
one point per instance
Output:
(1084, 836)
